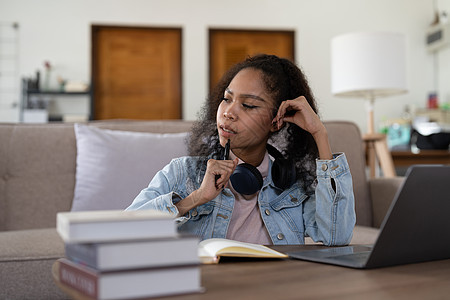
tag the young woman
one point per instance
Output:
(279, 197)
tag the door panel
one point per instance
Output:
(228, 47)
(136, 73)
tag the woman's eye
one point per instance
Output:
(248, 106)
(225, 99)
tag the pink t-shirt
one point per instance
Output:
(246, 224)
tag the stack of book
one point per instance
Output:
(126, 254)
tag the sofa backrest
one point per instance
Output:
(38, 166)
(346, 137)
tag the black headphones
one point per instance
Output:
(247, 180)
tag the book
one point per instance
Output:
(153, 282)
(211, 250)
(110, 256)
(110, 225)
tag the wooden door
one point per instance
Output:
(227, 47)
(136, 73)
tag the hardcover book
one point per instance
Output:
(109, 256)
(114, 225)
(153, 282)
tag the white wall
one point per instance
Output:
(443, 61)
(59, 31)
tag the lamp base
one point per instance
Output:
(370, 120)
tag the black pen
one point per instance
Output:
(226, 153)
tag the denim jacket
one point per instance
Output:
(327, 215)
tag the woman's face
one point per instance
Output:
(245, 115)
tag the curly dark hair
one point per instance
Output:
(283, 81)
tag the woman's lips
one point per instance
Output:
(227, 132)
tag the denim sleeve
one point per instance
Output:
(160, 193)
(330, 215)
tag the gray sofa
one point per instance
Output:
(37, 179)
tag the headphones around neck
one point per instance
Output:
(247, 180)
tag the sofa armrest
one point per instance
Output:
(382, 192)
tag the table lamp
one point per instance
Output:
(370, 65)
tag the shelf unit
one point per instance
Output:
(28, 105)
(39, 92)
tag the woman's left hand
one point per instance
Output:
(299, 111)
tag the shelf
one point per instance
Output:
(39, 92)
(408, 158)
(33, 96)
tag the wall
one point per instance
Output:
(59, 31)
(443, 63)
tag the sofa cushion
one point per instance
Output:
(37, 174)
(114, 166)
(26, 257)
(22, 245)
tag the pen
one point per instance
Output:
(226, 153)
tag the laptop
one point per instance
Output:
(415, 229)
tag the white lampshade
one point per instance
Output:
(368, 64)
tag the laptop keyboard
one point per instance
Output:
(335, 251)
(352, 256)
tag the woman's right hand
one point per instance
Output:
(217, 174)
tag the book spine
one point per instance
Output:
(78, 278)
(85, 254)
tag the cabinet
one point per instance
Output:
(35, 103)
(404, 159)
